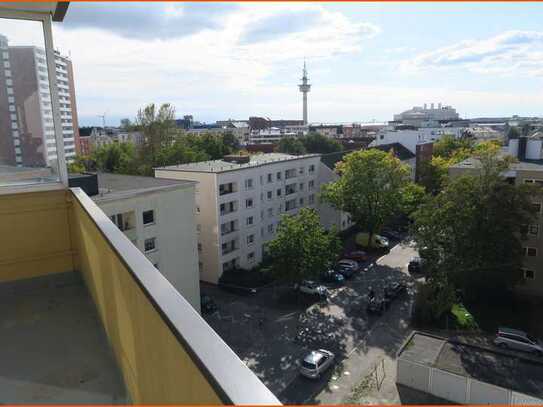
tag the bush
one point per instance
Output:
(432, 302)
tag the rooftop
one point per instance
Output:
(54, 348)
(217, 166)
(495, 367)
(117, 186)
(526, 165)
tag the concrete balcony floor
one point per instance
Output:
(53, 348)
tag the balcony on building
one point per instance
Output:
(85, 317)
(229, 247)
(229, 188)
(229, 227)
(228, 207)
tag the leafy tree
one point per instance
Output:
(291, 145)
(413, 196)
(180, 152)
(302, 248)
(369, 188)
(316, 143)
(434, 174)
(116, 157)
(471, 231)
(447, 145)
(158, 128)
(76, 167)
(126, 124)
(230, 142)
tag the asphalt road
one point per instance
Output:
(341, 325)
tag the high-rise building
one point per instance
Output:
(25, 101)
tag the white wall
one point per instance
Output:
(175, 233)
(410, 138)
(331, 217)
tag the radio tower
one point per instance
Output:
(305, 87)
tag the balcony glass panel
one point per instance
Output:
(28, 150)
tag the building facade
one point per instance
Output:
(27, 108)
(522, 172)
(157, 215)
(239, 203)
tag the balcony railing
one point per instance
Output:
(165, 351)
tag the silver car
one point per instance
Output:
(316, 362)
(518, 340)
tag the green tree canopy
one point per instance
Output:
(471, 231)
(291, 145)
(302, 248)
(316, 143)
(116, 157)
(369, 188)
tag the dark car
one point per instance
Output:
(357, 255)
(207, 304)
(332, 276)
(345, 271)
(391, 234)
(416, 265)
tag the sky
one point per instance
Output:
(366, 61)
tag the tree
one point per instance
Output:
(158, 128)
(369, 188)
(290, 145)
(126, 124)
(472, 230)
(82, 163)
(413, 196)
(302, 248)
(447, 145)
(180, 152)
(316, 143)
(119, 158)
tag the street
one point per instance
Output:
(360, 341)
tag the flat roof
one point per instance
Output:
(526, 165)
(218, 166)
(118, 186)
(492, 366)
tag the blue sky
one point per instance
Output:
(366, 61)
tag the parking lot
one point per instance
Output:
(263, 329)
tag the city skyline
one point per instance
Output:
(367, 61)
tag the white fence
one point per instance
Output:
(455, 388)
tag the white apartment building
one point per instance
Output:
(239, 203)
(418, 115)
(270, 135)
(157, 215)
(409, 138)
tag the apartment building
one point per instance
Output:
(157, 215)
(26, 106)
(528, 170)
(239, 203)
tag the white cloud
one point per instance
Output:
(512, 52)
(213, 68)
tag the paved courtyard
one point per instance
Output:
(262, 330)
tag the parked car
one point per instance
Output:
(416, 265)
(345, 271)
(357, 255)
(311, 288)
(349, 263)
(316, 362)
(514, 339)
(378, 241)
(333, 276)
(391, 234)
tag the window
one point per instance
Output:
(289, 205)
(301, 186)
(251, 257)
(533, 230)
(311, 185)
(249, 183)
(249, 221)
(279, 192)
(269, 195)
(302, 170)
(249, 203)
(529, 251)
(250, 239)
(150, 244)
(311, 169)
(311, 199)
(279, 175)
(270, 212)
(148, 217)
(198, 227)
(199, 246)
(529, 274)
(270, 228)
(290, 189)
(290, 173)
(197, 209)
(301, 201)
(270, 178)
